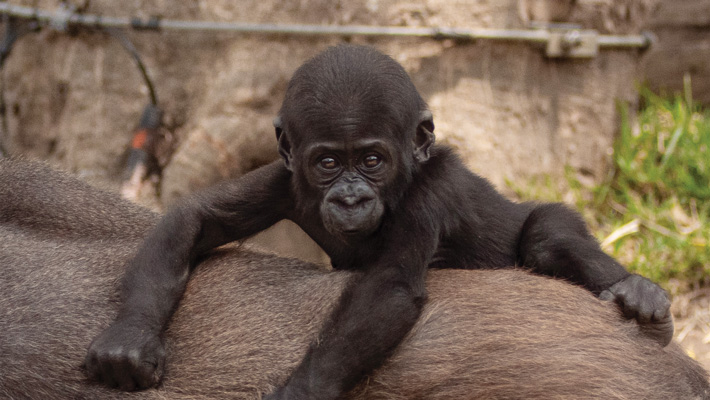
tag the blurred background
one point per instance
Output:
(601, 104)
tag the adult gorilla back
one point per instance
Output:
(247, 319)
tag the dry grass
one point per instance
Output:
(691, 312)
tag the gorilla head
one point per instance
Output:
(354, 130)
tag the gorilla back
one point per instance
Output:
(63, 246)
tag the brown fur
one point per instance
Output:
(246, 319)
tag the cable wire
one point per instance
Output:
(131, 49)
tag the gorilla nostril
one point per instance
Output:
(352, 201)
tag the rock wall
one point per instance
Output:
(683, 47)
(510, 112)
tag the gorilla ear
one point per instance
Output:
(424, 138)
(278, 127)
(284, 145)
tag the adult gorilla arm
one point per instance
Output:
(129, 354)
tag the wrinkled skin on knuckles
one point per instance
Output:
(126, 357)
(640, 299)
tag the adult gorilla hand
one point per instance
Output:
(127, 357)
(643, 300)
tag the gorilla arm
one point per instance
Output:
(129, 354)
(373, 316)
(555, 241)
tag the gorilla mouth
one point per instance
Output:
(352, 221)
(354, 226)
(355, 229)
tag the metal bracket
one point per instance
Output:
(572, 43)
(62, 15)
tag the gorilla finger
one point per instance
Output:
(647, 308)
(662, 314)
(147, 375)
(665, 305)
(644, 314)
(631, 313)
(90, 365)
(619, 288)
(128, 384)
(124, 371)
(107, 374)
(660, 305)
(606, 295)
(660, 332)
(159, 370)
(158, 365)
(629, 307)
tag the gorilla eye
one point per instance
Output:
(328, 163)
(372, 161)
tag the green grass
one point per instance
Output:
(652, 212)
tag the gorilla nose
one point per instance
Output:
(352, 201)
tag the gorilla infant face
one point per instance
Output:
(352, 129)
(349, 174)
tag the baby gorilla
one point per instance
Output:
(362, 176)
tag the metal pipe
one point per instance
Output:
(540, 36)
(628, 41)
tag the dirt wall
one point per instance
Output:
(510, 112)
(682, 29)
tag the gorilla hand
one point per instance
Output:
(645, 301)
(126, 356)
